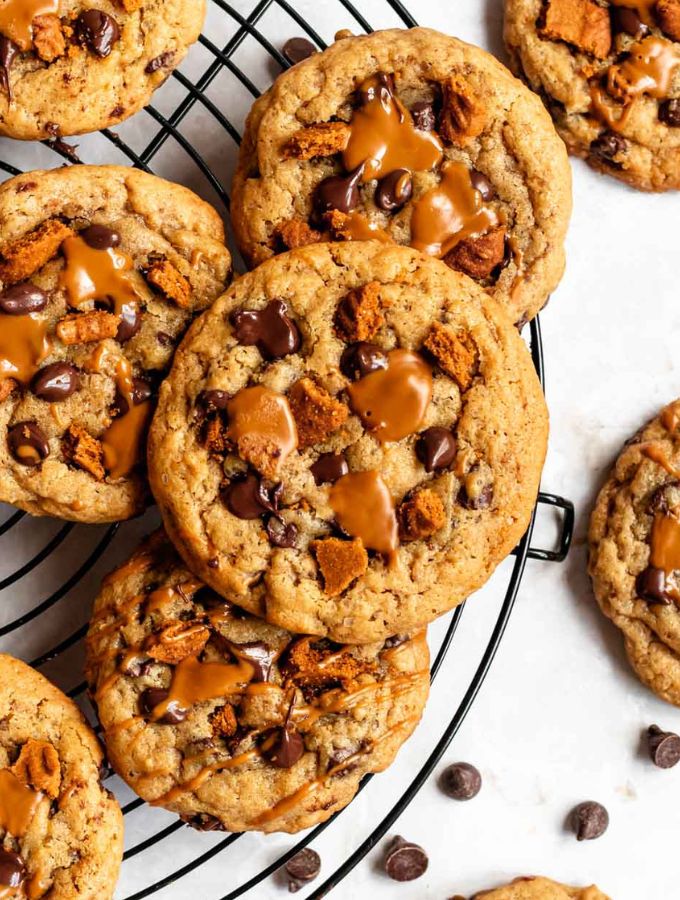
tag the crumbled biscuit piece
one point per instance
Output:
(338, 224)
(421, 516)
(131, 6)
(215, 436)
(317, 414)
(296, 233)
(324, 139)
(668, 17)
(48, 38)
(462, 117)
(478, 256)
(223, 721)
(583, 23)
(38, 767)
(177, 641)
(84, 328)
(340, 562)
(164, 276)
(84, 451)
(262, 454)
(27, 255)
(7, 385)
(455, 353)
(316, 664)
(359, 315)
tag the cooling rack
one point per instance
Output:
(191, 134)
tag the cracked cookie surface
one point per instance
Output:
(61, 830)
(101, 271)
(233, 723)
(414, 137)
(609, 73)
(537, 888)
(342, 487)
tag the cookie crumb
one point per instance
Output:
(462, 117)
(317, 414)
(455, 353)
(223, 722)
(84, 451)
(340, 562)
(164, 276)
(48, 37)
(359, 315)
(421, 516)
(323, 139)
(296, 233)
(7, 385)
(214, 436)
(38, 767)
(26, 255)
(478, 256)
(583, 23)
(84, 328)
(176, 642)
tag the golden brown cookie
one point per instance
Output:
(533, 887)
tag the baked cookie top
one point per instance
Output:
(349, 440)
(231, 722)
(609, 73)
(536, 888)
(69, 67)
(635, 551)
(413, 137)
(101, 270)
(61, 831)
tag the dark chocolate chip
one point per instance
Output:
(164, 339)
(98, 31)
(628, 21)
(339, 192)
(298, 48)
(607, 146)
(461, 781)
(213, 563)
(130, 322)
(664, 747)
(405, 861)
(280, 533)
(247, 497)
(339, 755)
(329, 467)
(382, 86)
(287, 749)
(271, 329)
(650, 585)
(481, 501)
(160, 62)
(142, 391)
(69, 150)
(12, 868)
(8, 53)
(589, 820)
(27, 444)
(423, 115)
(361, 359)
(669, 113)
(394, 190)
(482, 184)
(22, 299)
(259, 655)
(395, 641)
(152, 697)
(203, 822)
(436, 448)
(55, 382)
(212, 402)
(99, 237)
(302, 868)
(135, 668)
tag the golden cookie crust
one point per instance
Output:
(537, 888)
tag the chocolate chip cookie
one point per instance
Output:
(535, 888)
(61, 831)
(635, 551)
(416, 138)
(609, 72)
(232, 723)
(69, 67)
(101, 271)
(349, 440)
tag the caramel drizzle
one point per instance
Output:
(16, 19)
(123, 440)
(670, 416)
(92, 274)
(18, 804)
(194, 682)
(665, 543)
(364, 508)
(656, 453)
(358, 228)
(24, 344)
(259, 414)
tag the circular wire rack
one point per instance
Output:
(188, 136)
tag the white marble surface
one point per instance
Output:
(559, 717)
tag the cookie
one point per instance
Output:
(414, 137)
(535, 888)
(62, 831)
(68, 67)
(349, 441)
(609, 72)
(101, 271)
(233, 723)
(635, 551)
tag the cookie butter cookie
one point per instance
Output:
(68, 66)
(416, 138)
(61, 831)
(536, 888)
(101, 270)
(609, 73)
(233, 723)
(349, 440)
(635, 551)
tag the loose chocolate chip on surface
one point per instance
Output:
(361, 359)
(436, 448)
(212, 401)
(302, 868)
(130, 322)
(461, 781)
(329, 467)
(607, 146)
(152, 697)
(160, 62)
(589, 820)
(280, 533)
(28, 444)
(288, 748)
(99, 237)
(22, 299)
(12, 868)
(405, 861)
(650, 585)
(270, 329)
(394, 190)
(423, 115)
(482, 184)
(628, 21)
(298, 48)
(98, 31)
(8, 53)
(664, 747)
(669, 113)
(55, 382)
(339, 192)
(247, 497)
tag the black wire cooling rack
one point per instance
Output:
(187, 135)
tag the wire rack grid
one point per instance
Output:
(187, 135)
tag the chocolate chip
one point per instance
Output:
(98, 31)
(394, 190)
(436, 448)
(203, 822)
(481, 501)
(482, 184)
(628, 21)
(589, 820)
(27, 444)
(395, 641)
(22, 299)
(664, 747)
(329, 467)
(339, 755)
(99, 237)
(152, 697)
(381, 85)
(669, 113)
(12, 868)
(280, 533)
(260, 655)
(8, 53)
(160, 62)
(135, 668)
(339, 192)
(461, 781)
(56, 382)
(361, 359)
(405, 861)
(607, 146)
(212, 402)
(164, 339)
(287, 749)
(213, 563)
(130, 322)
(423, 115)
(141, 392)
(650, 585)
(302, 868)
(247, 497)
(298, 48)
(270, 329)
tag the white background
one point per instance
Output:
(560, 716)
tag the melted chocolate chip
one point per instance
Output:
(287, 749)
(302, 868)
(607, 146)
(99, 237)
(339, 192)
(669, 113)
(211, 402)
(298, 48)
(481, 501)
(589, 820)
(482, 184)
(141, 392)
(97, 31)
(361, 359)
(436, 448)
(461, 781)
(629, 22)
(152, 697)
(423, 115)
(203, 822)
(270, 329)
(22, 299)
(259, 655)
(650, 585)
(405, 861)
(160, 62)
(56, 382)
(247, 497)
(8, 53)
(130, 322)
(12, 868)
(28, 444)
(394, 190)
(280, 533)
(329, 467)
(664, 747)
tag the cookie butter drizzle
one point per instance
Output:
(259, 414)
(24, 344)
(92, 274)
(16, 19)
(18, 804)
(665, 543)
(364, 508)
